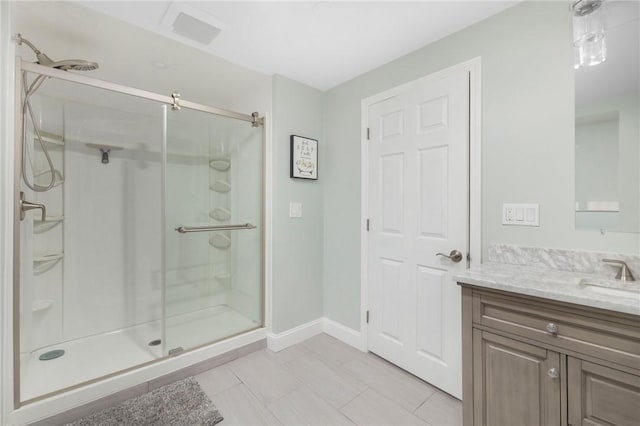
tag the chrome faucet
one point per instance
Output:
(624, 274)
(27, 205)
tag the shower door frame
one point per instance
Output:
(163, 100)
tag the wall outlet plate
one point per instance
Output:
(521, 214)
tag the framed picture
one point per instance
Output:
(304, 158)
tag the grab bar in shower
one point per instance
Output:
(186, 229)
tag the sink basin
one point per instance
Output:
(616, 289)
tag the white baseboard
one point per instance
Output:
(343, 333)
(279, 341)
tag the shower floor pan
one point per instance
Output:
(103, 354)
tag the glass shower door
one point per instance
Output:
(90, 290)
(213, 229)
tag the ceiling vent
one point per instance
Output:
(191, 23)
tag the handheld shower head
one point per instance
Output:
(65, 65)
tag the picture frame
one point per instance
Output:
(304, 158)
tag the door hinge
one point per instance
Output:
(367, 225)
(367, 317)
(368, 133)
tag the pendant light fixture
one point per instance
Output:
(589, 40)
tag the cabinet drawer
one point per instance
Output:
(589, 335)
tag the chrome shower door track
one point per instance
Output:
(118, 88)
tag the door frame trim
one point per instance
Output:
(474, 68)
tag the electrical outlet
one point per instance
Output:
(521, 214)
(508, 215)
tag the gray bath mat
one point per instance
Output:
(181, 403)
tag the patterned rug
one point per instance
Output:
(179, 404)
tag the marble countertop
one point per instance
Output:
(556, 285)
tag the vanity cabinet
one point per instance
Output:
(600, 395)
(532, 361)
(511, 382)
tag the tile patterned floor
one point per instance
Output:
(322, 381)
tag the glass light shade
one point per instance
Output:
(589, 42)
(592, 51)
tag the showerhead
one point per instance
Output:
(74, 64)
(65, 65)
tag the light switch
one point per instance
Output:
(520, 214)
(531, 214)
(295, 209)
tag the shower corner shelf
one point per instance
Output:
(57, 175)
(41, 305)
(58, 182)
(41, 226)
(44, 263)
(220, 163)
(220, 186)
(223, 278)
(51, 138)
(48, 257)
(48, 219)
(220, 241)
(220, 214)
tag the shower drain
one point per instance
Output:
(51, 355)
(155, 342)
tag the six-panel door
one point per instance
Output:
(418, 207)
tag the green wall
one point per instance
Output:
(297, 253)
(527, 140)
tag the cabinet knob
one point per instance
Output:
(552, 329)
(553, 373)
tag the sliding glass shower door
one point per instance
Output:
(91, 272)
(141, 235)
(213, 221)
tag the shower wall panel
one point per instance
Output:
(42, 302)
(112, 264)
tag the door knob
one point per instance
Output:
(454, 256)
(26, 205)
(553, 373)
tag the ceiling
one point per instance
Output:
(129, 55)
(319, 43)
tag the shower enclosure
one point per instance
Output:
(152, 240)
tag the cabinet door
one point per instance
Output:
(599, 395)
(514, 383)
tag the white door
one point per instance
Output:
(418, 207)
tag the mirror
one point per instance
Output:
(607, 134)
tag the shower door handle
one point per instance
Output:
(27, 205)
(187, 229)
